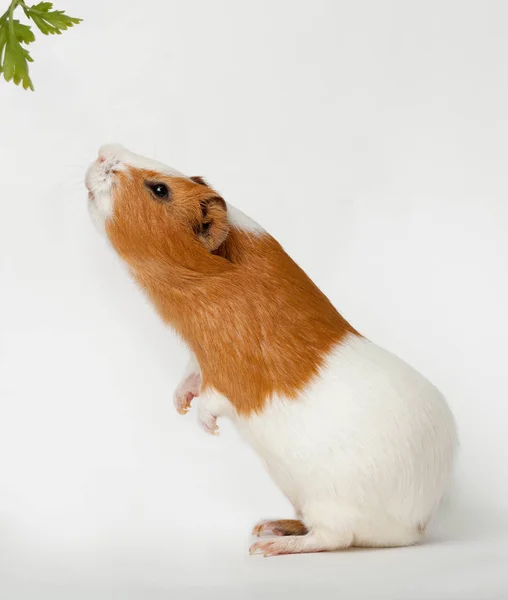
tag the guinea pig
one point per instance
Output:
(361, 443)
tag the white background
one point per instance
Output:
(371, 139)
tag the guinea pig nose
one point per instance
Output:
(101, 159)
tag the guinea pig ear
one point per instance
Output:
(214, 226)
(199, 179)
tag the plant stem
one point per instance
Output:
(8, 14)
(12, 8)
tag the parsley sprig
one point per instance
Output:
(15, 36)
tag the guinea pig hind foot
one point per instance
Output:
(313, 541)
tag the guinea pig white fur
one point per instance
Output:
(360, 442)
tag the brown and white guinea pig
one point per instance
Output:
(359, 441)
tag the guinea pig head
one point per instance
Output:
(153, 213)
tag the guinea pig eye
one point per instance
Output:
(160, 190)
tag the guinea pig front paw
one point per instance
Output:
(183, 402)
(208, 422)
(186, 391)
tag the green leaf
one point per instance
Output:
(43, 6)
(50, 21)
(41, 24)
(14, 64)
(14, 58)
(23, 33)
